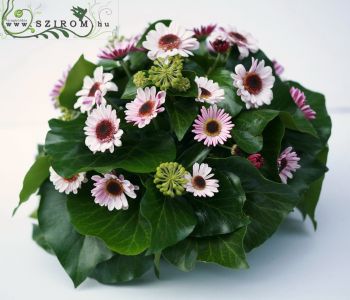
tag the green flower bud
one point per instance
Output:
(140, 79)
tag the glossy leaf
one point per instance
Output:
(123, 231)
(171, 219)
(39, 238)
(77, 254)
(65, 143)
(130, 90)
(121, 268)
(74, 82)
(195, 153)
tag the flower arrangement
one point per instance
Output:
(182, 145)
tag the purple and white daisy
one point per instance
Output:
(209, 91)
(213, 126)
(67, 185)
(300, 100)
(203, 31)
(201, 183)
(255, 85)
(58, 87)
(111, 191)
(279, 69)
(94, 90)
(119, 49)
(218, 42)
(169, 41)
(147, 104)
(287, 163)
(102, 129)
(244, 41)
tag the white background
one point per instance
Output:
(310, 38)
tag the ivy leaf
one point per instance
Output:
(232, 104)
(77, 254)
(65, 143)
(182, 113)
(130, 90)
(121, 268)
(34, 178)
(74, 82)
(195, 153)
(39, 238)
(249, 126)
(222, 213)
(171, 219)
(124, 231)
(267, 203)
(226, 250)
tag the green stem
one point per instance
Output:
(225, 147)
(214, 64)
(126, 69)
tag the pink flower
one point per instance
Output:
(300, 100)
(218, 42)
(147, 104)
(287, 163)
(257, 160)
(203, 31)
(119, 49)
(58, 87)
(213, 126)
(279, 69)
(110, 191)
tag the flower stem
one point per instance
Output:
(214, 64)
(126, 69)
(225, 147)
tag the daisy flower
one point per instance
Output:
(213, 126)
(201, 183)
(256, 160)
(244, 41)
(110, 191)
(147, 104)
(300, 100)
(208, 91)
(94, 90)
(169, 41)
(279, 69)
(58, 87)
(287, 163)
(102, 130)
(119, 49)
(203, 31)
(67, 185)
(255, 85)
(218, 42)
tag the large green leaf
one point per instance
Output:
(267, 202)
(39, 238)
(34, 178)
(124, 231)
(232, 104)
(195, 153)
(121, 268)
(65, 143)
(77, 254)
(226, 250)
(182, 112)
(249, 126)
(74, 82)
(171, 219)
(222, 213)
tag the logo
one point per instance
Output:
(57, 20)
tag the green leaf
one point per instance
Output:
(195, 153)
(267, 203)
(182, 113)
(34, 178)
(74, 82)
(65, 143)
(130, 90)
(121, 268)
(171, 219)
(232, 104)
(225, 250)
(39, 238)
(222, 213)
(124, 231)
(249, 126)
(77, 254)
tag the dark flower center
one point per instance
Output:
(71, 179)
(169, 42)
(198, 182)
(146, 108)
(238, 37)
(205, 93)
(114, 187)
(93, 89)
(105, 130)
(283, 163)
(253, 83)
(213, 128)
